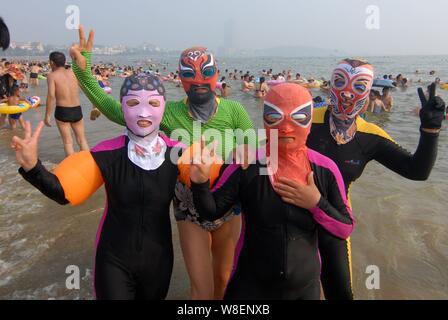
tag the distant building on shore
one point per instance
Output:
(229, 47)
(109, 50)
(39, 49)
(29, 46)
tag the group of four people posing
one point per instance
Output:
(292, 235)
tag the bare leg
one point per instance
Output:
(224, 241)
(195, 244)
(22, 122)
(12, 123)
(78, 129)
(66, 135)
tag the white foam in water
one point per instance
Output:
(8, 232)
(47, 292)
(18, 244)
(4, 266)
(4, 280)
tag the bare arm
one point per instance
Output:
(390, 103)
(51, 99)
(383, 106)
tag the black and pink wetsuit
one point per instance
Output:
(278, 256)
(134, 256)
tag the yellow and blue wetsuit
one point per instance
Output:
(370, 143)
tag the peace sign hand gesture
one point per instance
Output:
(77, 49)
(26, 149)
(432, 111)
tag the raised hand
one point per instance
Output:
(47, 120)
(432, 111)
(202, 161)
(77, 49)
(299, 195)
(26, 149)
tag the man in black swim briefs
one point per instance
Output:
(34, 74)
(64, 114)
(64, 93)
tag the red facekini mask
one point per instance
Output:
(288, 108)
(197, 67)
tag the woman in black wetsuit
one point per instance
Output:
(134, 256)
(279, 257)
(351, 142)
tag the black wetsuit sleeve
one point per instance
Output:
(212, 206)
(339, 213)
(46, 182)
(333, 211)
(415, 166)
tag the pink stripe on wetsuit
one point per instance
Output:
(332, 225)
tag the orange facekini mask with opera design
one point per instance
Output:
(351, 83)
(288, 108)
(199, 75)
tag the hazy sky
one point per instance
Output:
(406, 26)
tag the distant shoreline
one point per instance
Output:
(7, 55)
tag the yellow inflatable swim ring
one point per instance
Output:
(21, 107)
(444, 86)
(312, 85)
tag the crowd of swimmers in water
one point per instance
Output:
(17, 75)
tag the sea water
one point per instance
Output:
(401, 224)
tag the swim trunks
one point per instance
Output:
(15, 116)
(68, 114)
